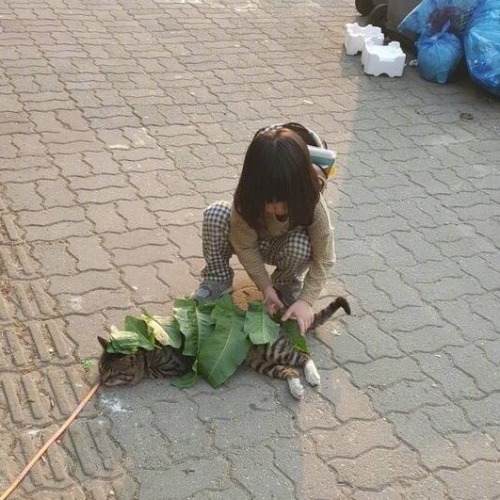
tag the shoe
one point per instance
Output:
(289, 292)
(211, 290)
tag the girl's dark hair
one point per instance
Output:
(277, 168)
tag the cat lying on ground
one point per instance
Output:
(279, 360)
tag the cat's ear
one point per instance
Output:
(103, 342)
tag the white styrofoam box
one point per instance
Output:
(385, 59)
(357, 35)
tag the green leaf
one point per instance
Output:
(259, 326)
(226, 347)
(185, 315)
(127, 342)
(187, 380)
(292, 330)
(137, 325)
(205, 322)
(164, 329)
(87, 363)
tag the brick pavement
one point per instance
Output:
(119, 121)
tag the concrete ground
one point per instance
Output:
(120, 121)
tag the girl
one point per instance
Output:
(278, 217)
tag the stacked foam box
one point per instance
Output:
(376, 58)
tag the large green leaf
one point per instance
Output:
(259, 327)
(187, 380)
(292, 330)
(204, 321)
(132, 324)
(165, 329)
(185, 314)
(127, 342)
(223, 350)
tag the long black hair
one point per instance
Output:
(277, 168)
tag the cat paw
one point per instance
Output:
(296, 388)
(311, 373)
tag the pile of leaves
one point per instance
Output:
(218, 334)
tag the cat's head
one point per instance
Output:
(119, 369)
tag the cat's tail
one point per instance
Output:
(325, 314)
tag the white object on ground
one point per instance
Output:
(386, 59)
(357, 35)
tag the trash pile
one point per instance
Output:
(448, 34)
(449, 31)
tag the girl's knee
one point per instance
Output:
(298, 248)
(217, 213)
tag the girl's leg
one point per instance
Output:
(217, 274)
(290, 254)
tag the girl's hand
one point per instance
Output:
(302, 312)
(272, 301)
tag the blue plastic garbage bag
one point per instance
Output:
(429, 16)
(439, 55)
(482, 45)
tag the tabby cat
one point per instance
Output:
(278, 360)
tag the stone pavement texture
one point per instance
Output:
(120, 121)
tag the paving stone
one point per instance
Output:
(312, 477)
(376, 343)
(379, 467)
(476, 446)
(435, 451)
(384, 372)
(58, 231)
(448, 418)
(394, 254)
(146, 254)
(87, 281)
(93, 301)
(407, 395)
(492, 350)
(349, 401)
(135, 117)
(354, 438)
(428, 487)
(136, 215)
(479, 480)
(370, 296)
(485, 307)
(177, 278)
(250, 430)
(54, 257)
(471, 360)
(347, 348)
(465, 317)
(32, 299)
(16, 262)
(23, 196)
(199, 474)
(247, 466)
(409, 319)
(95, 453)
(144, 283)
(49, 342)
(428, 339)
(387, 493)
(105, 195)
(454, 382)
(89, 254)
(50, 473)
(100, 181)
(10, 232)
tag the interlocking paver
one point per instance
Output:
(121, 120)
